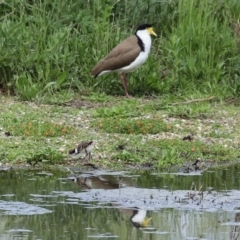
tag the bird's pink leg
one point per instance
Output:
(124, 83)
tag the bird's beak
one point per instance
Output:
(150, 31)
(145, 222)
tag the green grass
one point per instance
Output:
(174, 152)
(167, 153)
(189, 111)
(126, 109)
(33, 133)
(37, 128)
(136, 132)
(48, 48)
(132, 126)
(20, 123)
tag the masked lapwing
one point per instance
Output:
(139, 218)
(84, 146)
(128, 55)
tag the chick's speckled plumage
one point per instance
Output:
(84, 146)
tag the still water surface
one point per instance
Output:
(48, 205)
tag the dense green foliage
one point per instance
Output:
(49, 47)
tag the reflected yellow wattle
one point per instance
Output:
(145, 222)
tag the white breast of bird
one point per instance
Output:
(143, 56)
(90, 147)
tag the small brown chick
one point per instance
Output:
(85, 146)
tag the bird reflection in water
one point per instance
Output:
(138, 217)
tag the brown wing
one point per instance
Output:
(84, 144)
(120, 56)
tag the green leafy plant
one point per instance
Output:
(127, 156)
(45, 156)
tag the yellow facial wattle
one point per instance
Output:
(145, 222)
(150, 31)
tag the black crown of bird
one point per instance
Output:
(128, 55)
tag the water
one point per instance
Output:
(48, 205)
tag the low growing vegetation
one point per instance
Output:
(49, 47)
(167, 153)
(40, 129)
(154, 138)
(133, 126)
